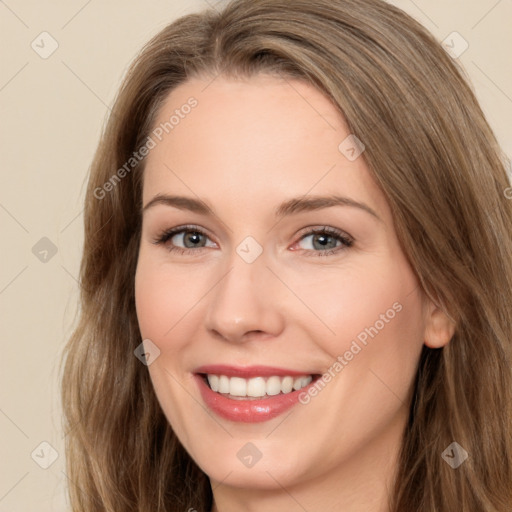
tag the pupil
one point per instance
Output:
(323, 240)
(193, 234)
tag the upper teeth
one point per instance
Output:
(257, 386)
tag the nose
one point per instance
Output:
(244, 305)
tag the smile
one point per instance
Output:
(257, 387)
(251, 394)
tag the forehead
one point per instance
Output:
(261, 138)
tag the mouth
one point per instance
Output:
(251, 394)
(255, 388)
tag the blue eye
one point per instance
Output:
(328, 240)
(188, 235)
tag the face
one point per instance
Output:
(302, 312)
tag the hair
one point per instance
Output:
(435, 158)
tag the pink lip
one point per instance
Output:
(247, 411)
(247, 372)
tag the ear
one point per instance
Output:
(439, 327)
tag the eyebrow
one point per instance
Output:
(289, 207)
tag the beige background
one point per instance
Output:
(51, 113)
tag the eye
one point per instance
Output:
(326, 241)
(191, 237)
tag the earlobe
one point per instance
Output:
(439, 327)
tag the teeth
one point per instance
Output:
(301, 382)
(287, 384)
(223, 384)
(257, 386)
(273, 386)
(213, 380)
(237, 386)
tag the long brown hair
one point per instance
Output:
(433, 154)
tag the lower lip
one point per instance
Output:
(248, 411)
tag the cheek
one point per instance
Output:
(379, 331)
(164, 300)
(377, 320)
(164, 297)
(152, 303)
(378, 302)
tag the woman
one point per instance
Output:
(217, 364)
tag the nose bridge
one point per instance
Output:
(243, 301)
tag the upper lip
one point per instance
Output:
(247, 372)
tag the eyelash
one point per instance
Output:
(166, 235)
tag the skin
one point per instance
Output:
(247, 146)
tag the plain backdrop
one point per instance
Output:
(52, 108)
